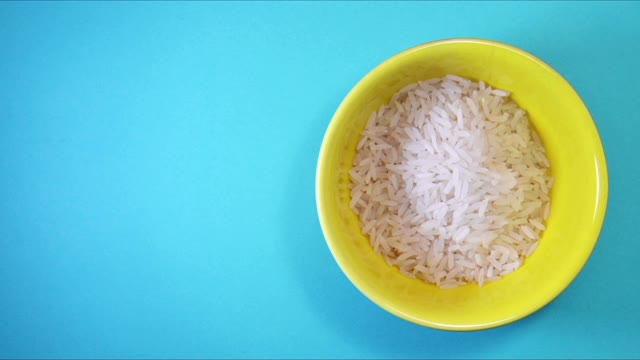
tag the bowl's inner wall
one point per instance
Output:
(573, 147)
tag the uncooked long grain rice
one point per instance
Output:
(451, 183)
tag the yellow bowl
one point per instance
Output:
(578, 197)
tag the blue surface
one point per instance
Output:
(157, 177)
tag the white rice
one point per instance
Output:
(450, 182)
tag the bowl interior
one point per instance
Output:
(578, 197)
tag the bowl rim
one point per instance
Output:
(601, 201)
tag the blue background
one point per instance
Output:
(157, 166)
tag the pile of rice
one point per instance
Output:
(450, 182)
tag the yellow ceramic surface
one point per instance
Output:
(578, 198)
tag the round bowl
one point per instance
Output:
(578, 197)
